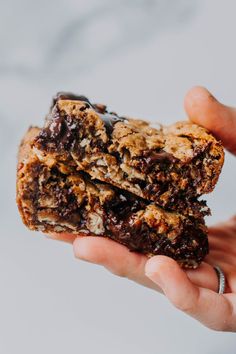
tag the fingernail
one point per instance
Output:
(151, 272)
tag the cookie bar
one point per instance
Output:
(53, 196)
(171, 166)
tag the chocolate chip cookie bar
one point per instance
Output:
(171, 166)
(53, 195)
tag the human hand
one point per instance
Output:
(192, 291)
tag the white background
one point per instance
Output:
(140, 57)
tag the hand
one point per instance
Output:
(192, 291)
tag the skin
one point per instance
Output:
(191, 291)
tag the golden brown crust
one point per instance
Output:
(24, 154)
(25, 145)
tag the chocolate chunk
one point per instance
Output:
(152, 157)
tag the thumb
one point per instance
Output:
(204, 109)
(197, 302)
(165, 272)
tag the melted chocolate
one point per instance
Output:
(109, 121)
(68, 96)
(160, 156)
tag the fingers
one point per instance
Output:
(120, 261)
(204, 276)
(213, 310)
(219, 257)
(203, 109)
(228, 227)
(115, 257)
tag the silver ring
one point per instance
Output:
(221, 279)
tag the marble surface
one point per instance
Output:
(139, 57)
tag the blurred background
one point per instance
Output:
(139, 57)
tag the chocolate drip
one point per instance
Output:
(108, 118)
(109, 121)
(68, 96)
